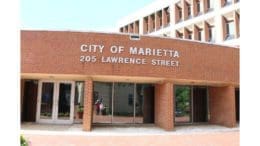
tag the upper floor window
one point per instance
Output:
(230, 30)
(179, 34)
(210, 5)
(159, 16)
(131, 29)
(189, 34)
(200, 34)
(167, 12)
(211, 34)
(227, 2)
(145, 25)
(179, 13)
(189, 10)
(137, 27)
(198, 6)
(152, 22)
(126, 29)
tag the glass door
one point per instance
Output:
(55, 102)
(45, 108)
(65, 102)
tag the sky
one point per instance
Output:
(85, 15)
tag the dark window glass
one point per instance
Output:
(167, 15)
(123, 112)
(198, 6)
(47, 100)
(199, 35)
(64, 101)
(144, 103)
(189, 10)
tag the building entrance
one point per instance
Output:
(55, 102)
(191, 104)
(123, 103)
(29, 101)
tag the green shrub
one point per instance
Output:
(23, 141)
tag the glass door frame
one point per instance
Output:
(54, 118)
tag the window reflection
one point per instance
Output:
(102, 103)
(123, 103)
(182, 104)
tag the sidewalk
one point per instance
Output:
(206, 135)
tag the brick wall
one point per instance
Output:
(54, 52)
(222, 106)
(87, 115)
(164, 105)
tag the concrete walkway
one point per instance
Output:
(72, 135)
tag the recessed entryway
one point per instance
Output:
(55, 102)
(191, 104)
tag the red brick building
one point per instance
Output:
(123, 79)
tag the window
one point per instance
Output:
(137, 27)
(126, 29)
(79, 93)
(198, 7)
(211, 34)
(183, 104)
(230, 30)
(189, 10)
(159, 16)
(180, 13)
(227, 2)
(121, 29)
(167, 11)
(189, 34)
(131, 28)
(145, 25)
(153, 22)
(179, 34)
(200, 34)
(210, 5)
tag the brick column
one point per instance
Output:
(87, 116)
(145, 26)
(164, 106)
(204, 6)
(176, 13)
(184, 10)
(222, 106)
(194, 7)
(164, 19)
(157, 20)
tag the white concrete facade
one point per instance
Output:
(213, 13)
